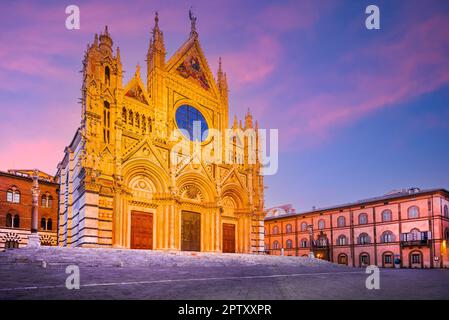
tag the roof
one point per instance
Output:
(396, 194)
(28, 174)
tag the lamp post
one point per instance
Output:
(311, 253)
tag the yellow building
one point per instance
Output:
(130, 179)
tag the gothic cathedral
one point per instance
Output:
(120, 185)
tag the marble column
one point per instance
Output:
(33, 239)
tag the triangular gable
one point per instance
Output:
(135, 90)
(190, 63)
(232, 176)
(145, 149)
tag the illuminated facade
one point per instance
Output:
(16, 207)
(409, 226)
(121, 185)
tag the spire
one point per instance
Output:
(235, 124)
(156, 49)
(118, 55)
(106, 41)
(219, 72)
(193, 32)
(248, 120)
(138, 70)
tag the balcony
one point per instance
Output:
(415, 239)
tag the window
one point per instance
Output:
(43, 224)
(341, 221)
(388, 259)
(416, 258)
(124, 115)
(187, 118)
(107, 75)
(131, 117)
(8, 220)
(50, 202)
(106, 122)
(137, 120)
(288, 228)
(446, 233)
(49, 224)
(275, 245)
(446, 211)
(341, 240)
(11, 244)
(387, 237)
(13, 195)
(414, 235)
(364, 238)
(304, 226)
(413, 212)
(363, 218)
(144, 125)
(16, 222)
(275, 230)
(321, 224)
(364, 259)
(304, 243)
(289, 244)
(44, 201)
(386, 215)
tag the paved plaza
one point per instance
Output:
(133, 274)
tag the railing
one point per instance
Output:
(415, 239)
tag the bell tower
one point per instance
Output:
(102, 81)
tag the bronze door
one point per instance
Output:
(228, 238)
(141, 230)
(190, 231)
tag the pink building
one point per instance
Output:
(407, 227)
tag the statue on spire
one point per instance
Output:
(192, 23)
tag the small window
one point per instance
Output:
(43, 224)
(304, 243)
(50, 202)
(446, 211)
(107, 75)
(321, 224)
(341, 221)
(124, 115)
(364, 259)
(386, 215)
(9, 221)
(413, 212)
(388, 259)
(304, 226)
(364, 238)
(341, 240)
(275, 245)
(363, 218)
(11, 244)
(289, 244)
(288, 228)
(49, 224)
(13, 195)
(275, 230)
(16, 222)
(416, 258)
(9, 196)
(44, 201)
(387, 237)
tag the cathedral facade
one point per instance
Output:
(135, 176)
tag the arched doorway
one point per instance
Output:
(364, 260)
(388, 259)
(416, 259)
(343, 259)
